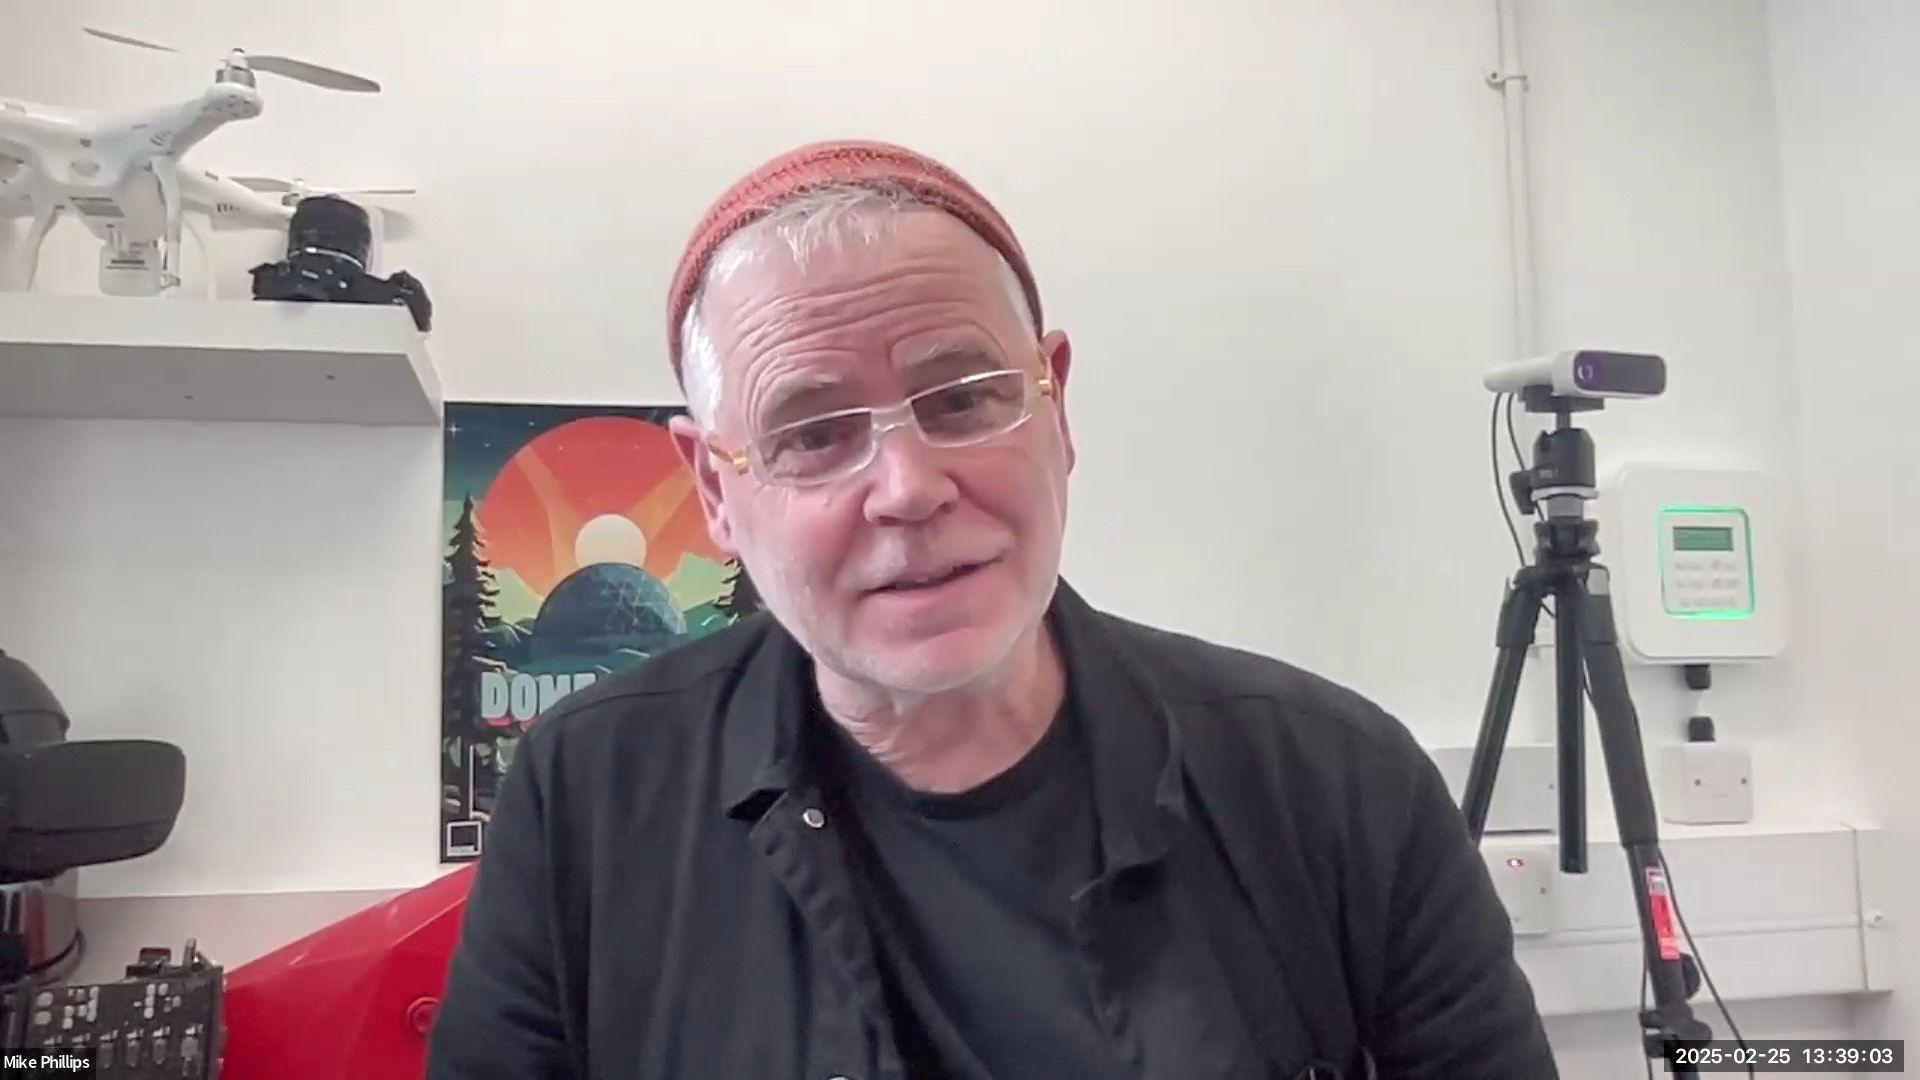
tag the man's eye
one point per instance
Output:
(817, 436)
(958, 400)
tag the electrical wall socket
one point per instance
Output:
(1525, 788)
(1705, 783)
(1523, 874)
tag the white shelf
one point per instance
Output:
(178, 359)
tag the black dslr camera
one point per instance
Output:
(327, 246)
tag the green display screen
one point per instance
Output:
(1702, 538)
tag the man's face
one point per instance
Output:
(868, 323)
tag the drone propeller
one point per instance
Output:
(332, 79)
(125, 40)
(399, 224)
(284, 66)
(301, 187)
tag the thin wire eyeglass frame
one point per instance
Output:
(882, 419)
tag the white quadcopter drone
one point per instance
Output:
(120, 173)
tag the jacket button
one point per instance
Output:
(816, 820)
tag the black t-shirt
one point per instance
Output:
(968, 895)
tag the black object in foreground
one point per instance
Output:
(161, 1020)
(67, 804)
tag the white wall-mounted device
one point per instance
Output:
(1698, 563)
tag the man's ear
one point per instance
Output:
(1057, 353)
(705, 467)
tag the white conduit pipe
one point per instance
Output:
(1510, 79)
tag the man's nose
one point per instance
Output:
(909, 478)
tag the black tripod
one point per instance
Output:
(1587, 658)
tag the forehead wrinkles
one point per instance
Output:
(775, 332)
(811, 311)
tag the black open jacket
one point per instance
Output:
(1286, 882)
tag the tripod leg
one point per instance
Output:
(1518, 614)
(1570, 716)
(1619, 728)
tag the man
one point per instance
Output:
(931, 814)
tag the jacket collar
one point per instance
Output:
(1130, 735)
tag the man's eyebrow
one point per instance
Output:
(949, 356)
(794, 398)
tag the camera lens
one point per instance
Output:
(331, 224)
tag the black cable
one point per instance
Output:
(1643, 1005)
(16, 1004)
(1514, 441)
(1701, 960)
(1499, 489)
(1539, 514)
(1520, 458)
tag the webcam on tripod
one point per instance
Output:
(1580, 374)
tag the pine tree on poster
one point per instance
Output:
(467, 607)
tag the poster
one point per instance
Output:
(573, 546)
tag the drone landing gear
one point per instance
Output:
(43, 219)
(169, 178)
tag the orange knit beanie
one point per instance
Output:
(792, 173)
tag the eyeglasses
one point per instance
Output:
(822, 449)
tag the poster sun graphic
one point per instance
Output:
(573, 546)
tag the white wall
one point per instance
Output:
(264, 595)
(1849, 109)
(1276, 234)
